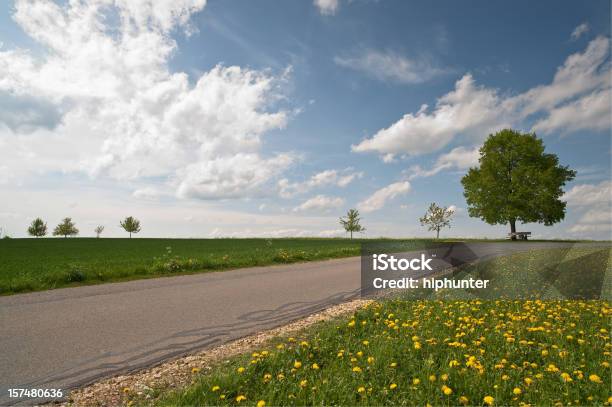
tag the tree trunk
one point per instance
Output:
(513, 229)
(351, 235)
(130, 235)
(437, 233)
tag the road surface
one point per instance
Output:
(69, 337)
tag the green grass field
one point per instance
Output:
(440, 352)
(41, 264)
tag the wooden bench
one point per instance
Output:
(519, 235)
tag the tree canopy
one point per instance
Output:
(437, 218)
(130, 225)
(37, 228)
(516, 181)
(66, 228)
(351, 223)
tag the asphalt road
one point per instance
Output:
(69, 337)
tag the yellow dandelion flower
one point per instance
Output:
(432, 378)
(361, 390)
(453, 363)
(416, 381)
(315, 366)
(261, 403)
(516, 391)
(392, 386)
(195, 370)
(463, 400)
(544, 352)
(444, 377)
(393, 364)
(594, 378)
(417, 345)
(297, 364)
(447, 390)
(240, 369)
(222, 397)
(126, 389)
(240, 398)
(488, 400)
(552, 368)
(370, 359)
(303, 383)
(215, 388)
(351, 324)
(357, 369)
(280, 346)
(566, 377)
(505, 377)
(366, 343)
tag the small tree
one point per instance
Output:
(66, 228)
(437, 218)
(37, 228)
(130, 225)
(351, 222)
(516, 181)
(99, 229)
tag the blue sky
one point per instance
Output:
(272, 118)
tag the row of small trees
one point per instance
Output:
(67, 227)
(435, 218)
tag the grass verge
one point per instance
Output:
(433, 351)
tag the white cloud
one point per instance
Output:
(391, 66)
(380, 197)
(589, 194)
(589, 112)
(596, 216)
(574, 100)
(108, 104)
(460, 158)
(324, 178)
(579, 31)
(580, 73)
(595, 200)
(320, 203)
(468, 109)
(327, 7)
(147, 193)
(230, 176)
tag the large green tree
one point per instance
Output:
(516, 181)
(66, 228)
